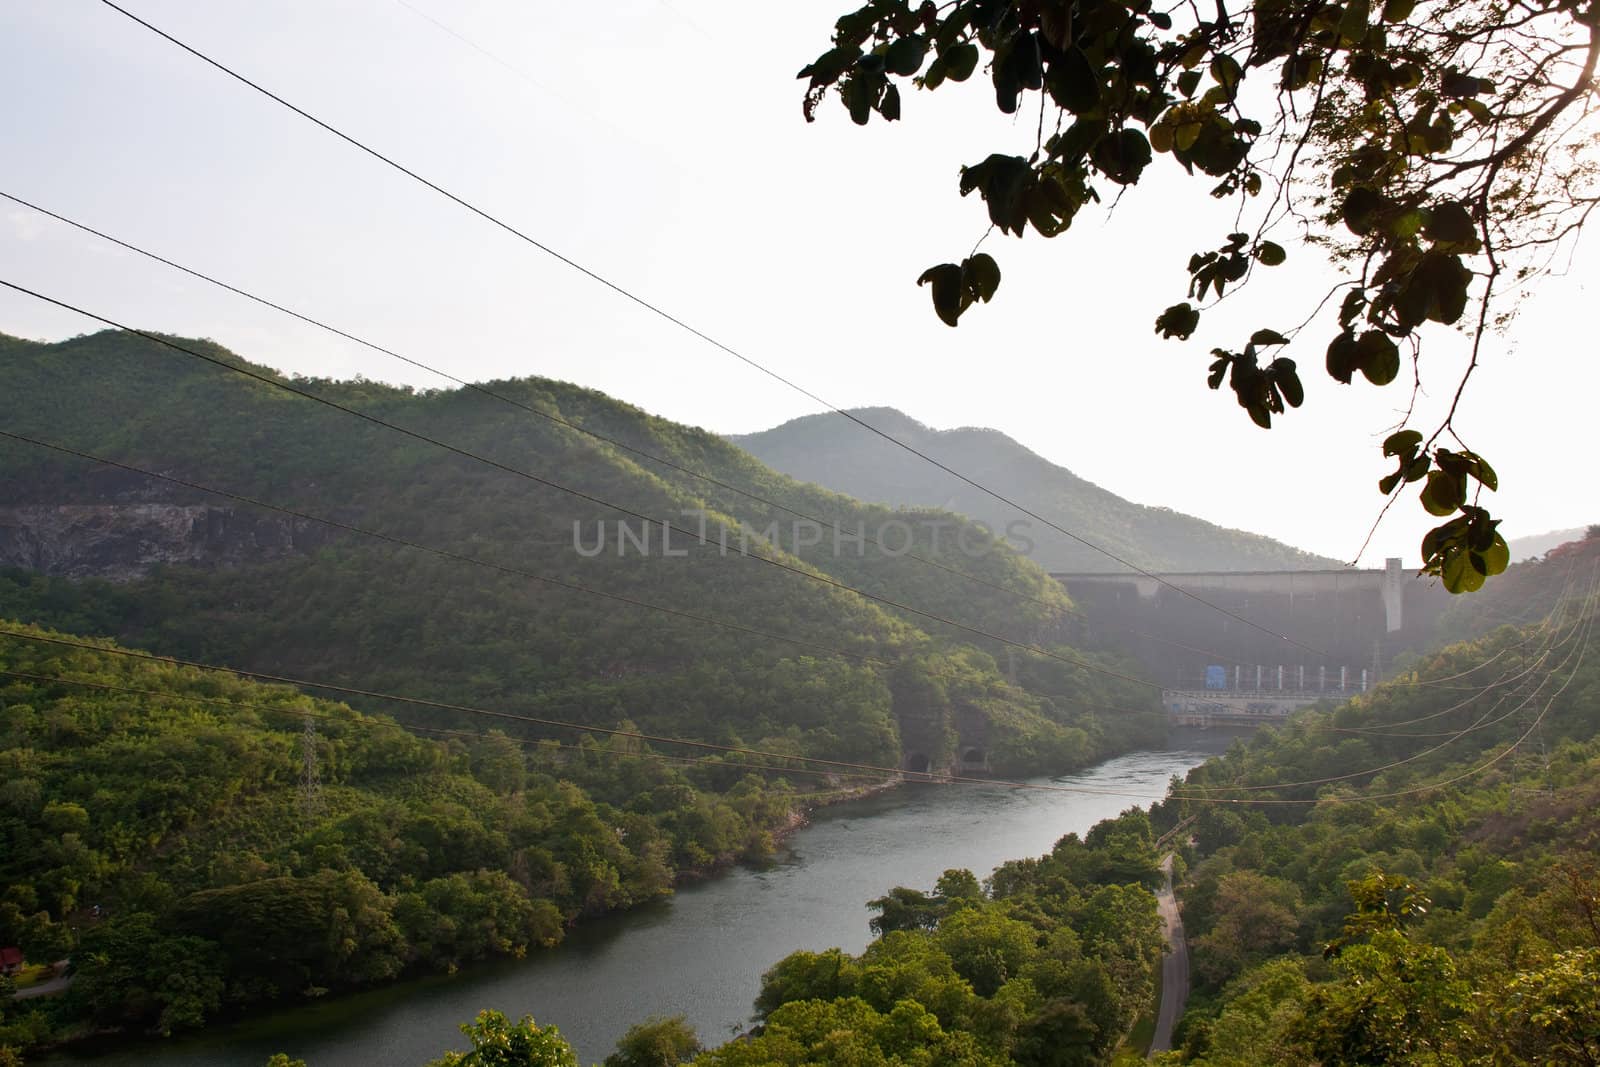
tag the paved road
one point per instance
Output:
(44, 989)
(1174, 967)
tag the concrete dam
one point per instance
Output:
(1243, 647)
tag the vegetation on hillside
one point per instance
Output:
(364, 613)
(1452, 919)
(154, 830)
(829, 450)
(1048, 961)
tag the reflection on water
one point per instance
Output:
(702, 952)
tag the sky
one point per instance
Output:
(662, 145)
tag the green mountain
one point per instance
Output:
(156, 829)
(1422, 886)
(105, 551)
(1356, 888)
(830, 450)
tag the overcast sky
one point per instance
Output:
(661, 143)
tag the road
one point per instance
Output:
(1174, 966)
(43, 989)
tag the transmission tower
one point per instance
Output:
(310, 777)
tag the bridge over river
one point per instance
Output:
(1317, 633)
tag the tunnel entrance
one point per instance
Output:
(918, 763)
(972, 755)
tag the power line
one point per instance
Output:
(682, 324)
(363, 719)
(808, 574)
(1483, 721)
(148, 657)
(460, 557)
(1579, 649)
(941, 779)
(448, 554)
(1382, 729)
(560, 421)
(778, 755)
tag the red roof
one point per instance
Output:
(10, 956)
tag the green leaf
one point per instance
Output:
(905, 56)
(1270, 254)
(947, 291)
(980, 276)
(1459, 575)
(1180, 321)
(1379, 358)
(1387, 483)
(1443, 494)
(1344, 357)
(1403, 443)
(1218, 371)
(1074, 83)
(1188, 82)
(1486, 474)
(1353, 24)
(1227, 73)
(1123, 156)
(960, 61)
(1287, 379)
(1497, 558)
(1436, 289)
(1398, 10)
(889, 106)
(861, 93)
(1450, 223)
(830, 65)
(1268, 337)
(1360, 210)
(1355, 302)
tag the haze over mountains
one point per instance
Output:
(1538, 544)
(106, 552)
(831, 451)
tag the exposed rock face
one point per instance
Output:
(123, 541)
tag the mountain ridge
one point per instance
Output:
(827, 449)
(395, 619)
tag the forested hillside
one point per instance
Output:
(768, 657)
(830, 450)
(1430, 892)
(1049, 961)
(154, 829)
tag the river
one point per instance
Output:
(700, 953)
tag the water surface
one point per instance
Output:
(700, 953)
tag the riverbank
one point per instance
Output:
(701, 952)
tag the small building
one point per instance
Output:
(11, 960)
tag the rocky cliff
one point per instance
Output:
(123, 541)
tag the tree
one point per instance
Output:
(1255, 916)
(1433, 150)
(656, 1042)
(498, 1042)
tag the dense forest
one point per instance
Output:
(1048, 961)
(829, 450)
(769, 656)
(1444, 909)
(1407, 878)
(154, 827)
